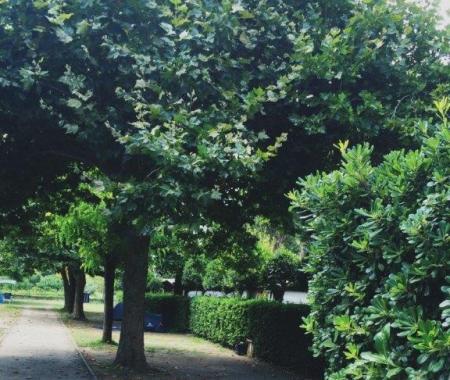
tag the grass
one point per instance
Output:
(87, 334)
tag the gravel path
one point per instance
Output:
(37, 347)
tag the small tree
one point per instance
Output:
(193, 273)
(281, 271)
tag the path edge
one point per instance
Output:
(78, 350)
(11, 324)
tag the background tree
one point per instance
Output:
(281, 271)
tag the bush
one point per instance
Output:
(379, 254)
(273, 327)
(174, 310)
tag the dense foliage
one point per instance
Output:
(174, 310)
(379, 254)
(273, 327)
(83, 230)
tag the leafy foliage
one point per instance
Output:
(379, 254)
(85, 228)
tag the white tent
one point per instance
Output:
(7, 281)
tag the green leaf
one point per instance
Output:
(381, 340)
(71, 128)
(74, 103)
(436, 365)
(60, 19)
(63, 36)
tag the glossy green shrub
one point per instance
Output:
(174, 310)
(273, 327)
(379, 256)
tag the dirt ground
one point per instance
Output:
(172, 356)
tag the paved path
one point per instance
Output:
(37, 347)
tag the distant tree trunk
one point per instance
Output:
(130, 352)
(109, 277)
(278, 294)
(178, 285)
(80, 283)
(252, 292)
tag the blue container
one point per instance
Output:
(2, 300)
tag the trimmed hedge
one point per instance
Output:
(273, 327)
(221, 320)
(174, 310)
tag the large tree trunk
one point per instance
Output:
(69, 288)
(178, 285)
(130, 353)
(80, 283)
(109, 277)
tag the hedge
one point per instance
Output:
(273, 327)
(174, 310)
(379, 256)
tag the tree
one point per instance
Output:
(56, 248)
(168, 145)
(280, 271)
(88, 229)
(378, 253)
(357, 71)
(193, 273)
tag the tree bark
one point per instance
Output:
(131, 353)
(278, 294)
(71, 293)
(178, 285)
(80, 283)
(108, 309)
(66, 287)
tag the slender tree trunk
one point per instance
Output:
(130, 353)
(71, 289)
(80, 283)
(66, 287)
(110, 274)
(178, 285)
